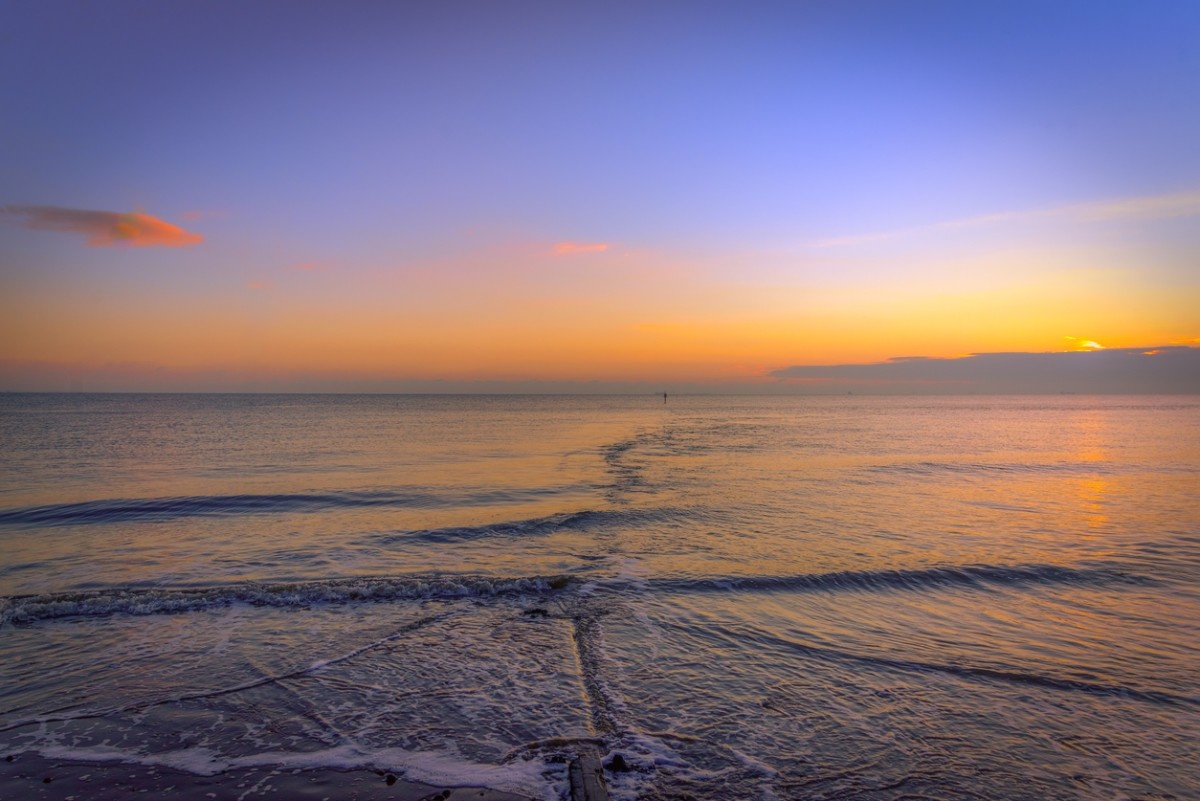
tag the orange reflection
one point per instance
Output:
(1093, 444)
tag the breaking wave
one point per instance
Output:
(157, 601)
(153, 601)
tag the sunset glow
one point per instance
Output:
(427, 199)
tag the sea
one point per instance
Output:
(802, 597)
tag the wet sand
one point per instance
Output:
(33, 777)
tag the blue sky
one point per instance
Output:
(738, 157)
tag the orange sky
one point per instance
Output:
(345, 200)
(531, 313)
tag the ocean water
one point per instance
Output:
(765, 598)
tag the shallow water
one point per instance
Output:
(805, 597)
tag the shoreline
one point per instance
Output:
(29, 775)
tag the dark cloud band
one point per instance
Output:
(1168, 369)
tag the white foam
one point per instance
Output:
(532, 778)
(755, 764)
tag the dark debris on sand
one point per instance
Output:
(31, 777)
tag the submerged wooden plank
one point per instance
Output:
(587, 779)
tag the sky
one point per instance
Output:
(599, 197)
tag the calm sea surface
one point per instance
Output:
(776, 598)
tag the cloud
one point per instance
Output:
(200, 214)
(1163, 369)
(1155, 207)
(571, 248)
(106, 228)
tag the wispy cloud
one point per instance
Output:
(105, 228)
(1154, 207)
(571, 248)
(200, 214)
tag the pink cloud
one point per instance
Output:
(571, 248)
(106, 228)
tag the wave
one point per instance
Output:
(993, 468)
(1008, 676)
(277, 468)
(586, 520)
(122, 510)
(25, 609)
(971, 576)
